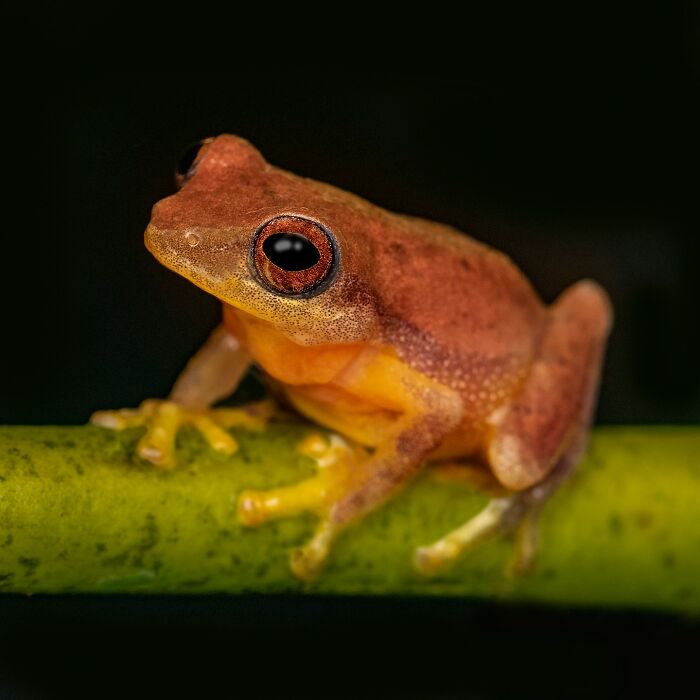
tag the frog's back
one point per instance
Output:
(460, 310)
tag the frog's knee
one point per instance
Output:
(588, 299)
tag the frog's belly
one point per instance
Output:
(368, 424)
(334, 408)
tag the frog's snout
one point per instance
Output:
(149, 237)
(165, 244)
(153, 238)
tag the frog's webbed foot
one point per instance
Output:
(337, 463)
(163, 420)
(502, 516)
(505, 514)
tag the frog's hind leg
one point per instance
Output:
(538, 439)
(506, 513)
(553, 412)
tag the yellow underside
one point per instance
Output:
(366, 424)
(356, 390)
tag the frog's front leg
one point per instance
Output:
(537, 440)
(350, 481)
(213, 373)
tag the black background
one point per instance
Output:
(598, 179)
(578, 157)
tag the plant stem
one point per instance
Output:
(80, 513)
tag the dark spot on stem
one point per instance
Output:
(117, 560)
(149, 539)
(644, 519)
(195, 583)
(615, 524)
(684, 593)
(29, 563)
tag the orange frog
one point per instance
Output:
(411, 341)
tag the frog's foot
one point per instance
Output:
(163, 419)
(337, 465)
(501, 516)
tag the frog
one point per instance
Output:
(413, 345)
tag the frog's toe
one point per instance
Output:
(430, 560)
(157, 445)
(500, 516)
(119, 419)
(336, 461)
(218, 438)
(255, 507)
(306, 562)
(526, 544)
(163, 420)
(166, 418)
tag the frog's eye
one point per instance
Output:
(188, 161)
(293, 255)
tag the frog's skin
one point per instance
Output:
(411, 340)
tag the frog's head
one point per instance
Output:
(285, 249)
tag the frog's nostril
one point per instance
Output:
(192, 238)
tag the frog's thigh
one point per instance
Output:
(427, 412)
(532, 434)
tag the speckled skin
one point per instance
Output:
(494, 373)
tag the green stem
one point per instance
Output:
(78, 512)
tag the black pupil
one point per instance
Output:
(187, 158)
(290, 251)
